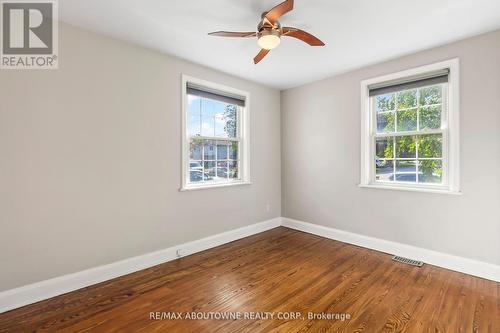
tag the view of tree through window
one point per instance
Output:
(408, 136)
(213, 140)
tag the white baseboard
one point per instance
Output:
(455, 263)
(15, 298)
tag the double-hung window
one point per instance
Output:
(215, 135)
(410, 129)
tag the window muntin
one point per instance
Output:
(409, 136)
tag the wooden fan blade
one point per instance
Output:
(260, 56)
(232, 34)
(303, 36)
(276, 12)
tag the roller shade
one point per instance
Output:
(212, 94)
(412, 82)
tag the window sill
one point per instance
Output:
(410, 189)
(211, 186)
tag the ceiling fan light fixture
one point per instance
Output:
(269, 31)
(269, 39)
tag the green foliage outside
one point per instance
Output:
(426, 102)
(231, 129)
(230, 115)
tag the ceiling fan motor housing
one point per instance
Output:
(265, 24)
(269, 31)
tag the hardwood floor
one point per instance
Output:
(279, 271)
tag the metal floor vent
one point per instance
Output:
(408, 261)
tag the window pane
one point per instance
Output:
(406, 171)
(209, 150)
(385, 102)
(194, 115)
(384, 170)
(209, 112)
(385, 122)
(208, 117)
(430, 117)
(406, 177)
(196, 176)
(230, 120)
(195, 171)
(430, 146)
(195, 149)
(406, 166)
(196, 165)
(407, 99)
(218, 119)
(405, 147)
(384, 147)
(407, 120)
(430, 171)
(222, 150)
(209, 169)
(222, 170)
(233, 150)
(233, 170)
(431, 95)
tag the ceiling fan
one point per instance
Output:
(269, 31)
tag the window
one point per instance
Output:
(410, 130)
(215, 135)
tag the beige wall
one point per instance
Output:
(90, 160)
(321, 159)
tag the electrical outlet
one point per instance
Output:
(268, 208)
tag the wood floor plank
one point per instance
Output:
(278, 271)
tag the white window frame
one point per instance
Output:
(449, 128)
(243, 126)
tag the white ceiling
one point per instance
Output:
(357, 32)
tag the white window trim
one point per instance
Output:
(450, 146)
(244, 128)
